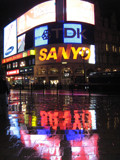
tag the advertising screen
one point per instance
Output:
(92, 57)
(21, 43)
(40, 14)
(77, 33)
(10, 39)
(81, 11)
(58, 53)
(41, 36)
(72, 33)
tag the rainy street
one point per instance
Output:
(61, 125)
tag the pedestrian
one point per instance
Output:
(4, 92)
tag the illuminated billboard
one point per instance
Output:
(40, 14)
(72, 33)
(92, 57)
(78, 33)
(13, 72)
(21, 43)
(81, 11)
(41, 36)
(10, 39)
(62, 52)
(18, 56)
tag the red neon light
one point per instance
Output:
(63, 120)
(49, 147)
(13, 58)
(13, 72)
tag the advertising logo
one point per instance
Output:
(41, 36)
(21, 43)
(9, 50)
(61, 52)
(72, 33)
(10, 39)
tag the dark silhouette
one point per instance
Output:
(4, 92)
(65, 148)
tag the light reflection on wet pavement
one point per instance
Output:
(62, 127)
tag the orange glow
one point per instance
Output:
(62, 52)
(63, 120)
(52, 54)
(53, 119)
(76, 52)
(19, 56)
(15, 57)
(43, 54)
(43, 115)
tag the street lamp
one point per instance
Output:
(83, 58)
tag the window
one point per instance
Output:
(53, 71)
(22, 64)
(29, 62)
(33, 61)
(15, 64)
(119, 49)
(113, 48)
(107, 47)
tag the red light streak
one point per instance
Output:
(63, 119)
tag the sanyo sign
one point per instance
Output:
(67, 52)
(62, 33)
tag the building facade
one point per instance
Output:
(60, 41)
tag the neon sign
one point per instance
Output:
(13, 72)
(62, 53)
(64, 33)
(63, 120)
(72, 33)
(18, 56)
(41, 36)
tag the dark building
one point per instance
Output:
(60, 41)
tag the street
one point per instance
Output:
(61, 125)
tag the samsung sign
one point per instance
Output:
(64, 33)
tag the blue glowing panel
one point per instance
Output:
(74, 134)
(72, 33)
(41, 36)
(43, 131)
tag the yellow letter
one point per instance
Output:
(43, 54)
(52, 54)
(86, 53)
(64, 53)
(75, 52)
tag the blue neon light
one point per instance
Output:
(43, 131)
(72, 33)
(41, 36)
(74, 134)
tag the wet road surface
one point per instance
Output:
(64, 126)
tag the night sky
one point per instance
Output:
(12, 9)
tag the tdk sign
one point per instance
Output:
(64, 33)
(72, 33)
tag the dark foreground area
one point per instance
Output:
(64, 126)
